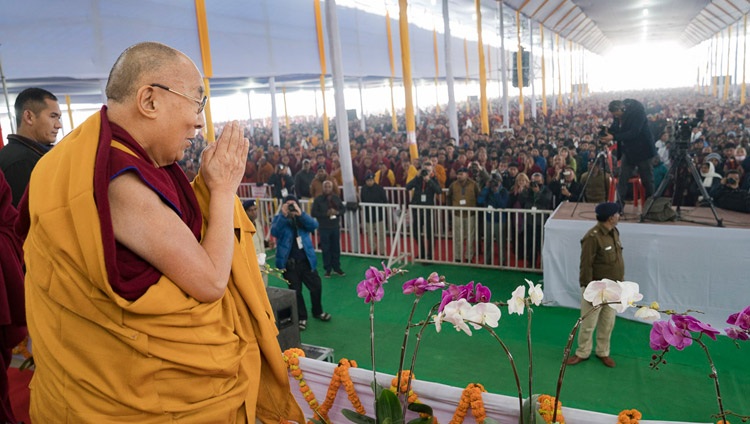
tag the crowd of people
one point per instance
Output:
(561, 147)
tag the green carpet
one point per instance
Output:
(679, 391)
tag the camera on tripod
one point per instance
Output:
(683, 129)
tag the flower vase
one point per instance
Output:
(535, 417)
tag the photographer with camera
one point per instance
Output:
(730, 196)
(494, 197)
(295, 257)
(566, 188)
(424, 188)
(635, 144)
(537, 197)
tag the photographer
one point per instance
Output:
(424, 188)
(479, 174)
(635, 144)
(494, 197)
(730, 196)
(295, 256)
(566, 188)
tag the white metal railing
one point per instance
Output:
(485, 237)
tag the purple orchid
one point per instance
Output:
(421, 285)
(740, 319)
(678, 337)
(371, 288)
(736, 334)
(687, 322)
(656, 338)
(478, 294)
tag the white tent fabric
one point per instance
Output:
(69, 47)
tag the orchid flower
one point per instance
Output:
(647, 314)
(740, 319)
(629, 294)
(455, 313)
(484, 313)
(687, 322)
(517, 302)
(371, 290)
(535, 293)
(602, 291)
(421, 285)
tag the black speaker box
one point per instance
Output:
(284, 305)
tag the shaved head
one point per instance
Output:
(135, 62)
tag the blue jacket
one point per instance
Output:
(282, 228)
(496, 199)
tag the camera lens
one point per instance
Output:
(424, 173)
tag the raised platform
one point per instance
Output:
(689, 264)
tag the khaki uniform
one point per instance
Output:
(601, 257)
(464, 222)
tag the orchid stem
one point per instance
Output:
(566, 355)
(513, 367)
(403, 349)
(423, 326)
(532, 417)
(372, 355)
(715, 376)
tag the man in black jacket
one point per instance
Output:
(635, 144)
(37, 122)
(425, 189)
(281, 182)
(303, 179)
(327, 209)
(372, 192)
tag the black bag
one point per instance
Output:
(660, 209)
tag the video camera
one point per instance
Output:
(683, 129)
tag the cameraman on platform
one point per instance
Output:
(635, 144)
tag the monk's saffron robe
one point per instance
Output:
(159, 356)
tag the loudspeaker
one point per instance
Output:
(284, 305)
(351, 114)
(524, 68)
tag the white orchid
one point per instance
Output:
(483, 313)
(619, 294)
(647, 314)
(460, 311)
(455, 313)
(535, 293)
(517, 302)
(602, 291)
(629, 294)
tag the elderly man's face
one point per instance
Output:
(181, 119)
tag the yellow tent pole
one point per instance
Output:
(322, 56)
(200, 16)
(726, 75)
(286, 112)
(544, 74)
(519, 71)
(437, 67)
(743, 90)
(483, 116)
(466, 61)
(70, 111)
(559, 73)
(394, 118)
(403, 22)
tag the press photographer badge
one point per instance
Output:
(299, 242)
(284, 192)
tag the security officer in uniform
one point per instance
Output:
(601, 257)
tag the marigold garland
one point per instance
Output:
(341, 376)
(629, 416)
(411, 397)
(471, 397)
(546, 410)
(291, 358)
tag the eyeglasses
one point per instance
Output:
(201, 102)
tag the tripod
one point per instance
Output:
(600, 165)
(681, 161)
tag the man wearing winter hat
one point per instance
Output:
(295, 256)
(259, 242)
(601, 257)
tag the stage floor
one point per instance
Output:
(688, 264)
